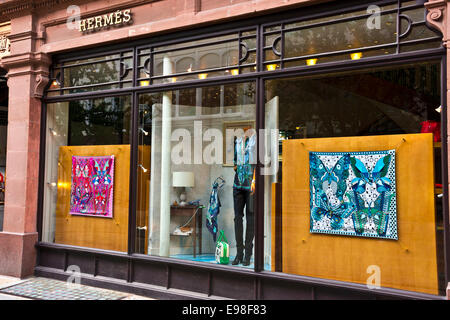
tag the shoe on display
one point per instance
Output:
(237, 261)
(246, 261)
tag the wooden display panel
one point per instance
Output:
(93, 232)
(277, 224)
(409, 263)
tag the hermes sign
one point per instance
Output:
(118, 18)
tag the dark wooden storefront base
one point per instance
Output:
(162, 278)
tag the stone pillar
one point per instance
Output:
(437, 17)
(27, 77)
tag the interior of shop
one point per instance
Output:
(391, 108)
(201, 177)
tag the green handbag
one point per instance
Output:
(222, 249)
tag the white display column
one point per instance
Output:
(56, 137)
(164, 244)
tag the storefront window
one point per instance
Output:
(228, 55)
(87, 173)
(195, 171)
(373, 31)
(94, 74)
(348, 156)
(357, 196)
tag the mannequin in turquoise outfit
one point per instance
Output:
(243, 195)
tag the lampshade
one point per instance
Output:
(183, 179)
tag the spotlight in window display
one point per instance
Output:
(356, 55)
(52, 185)
(143, 131)
(145, 170)
(311, 62)
(53, 132)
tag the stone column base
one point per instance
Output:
(18, 254)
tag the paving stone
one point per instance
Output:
(49, 289)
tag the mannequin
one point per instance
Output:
(243, 195)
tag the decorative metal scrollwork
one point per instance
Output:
(147, 66)
(245, 56)
(408, 29)
(274, 46)
(124, 70)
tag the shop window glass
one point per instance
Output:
(421, 46)
(410, 3)
(182, 159)
(93, 74)
(97, 73)
(354, 189)
(349, 36)
(226, 55)
(87, 173)
(352, 14)
(339, 36)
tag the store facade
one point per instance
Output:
(218, 149)
(5, 48)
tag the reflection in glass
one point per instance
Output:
(202, 59)
(100, 73)
(86, 194)
(339, 36)
(321, 40)
(184, 152)
(329, 113)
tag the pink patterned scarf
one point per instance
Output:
(92, 186)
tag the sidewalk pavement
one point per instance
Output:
(35, 288)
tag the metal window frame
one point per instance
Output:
(397, 44)
(259, 77)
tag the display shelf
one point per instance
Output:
(183, 234)
(195, 213)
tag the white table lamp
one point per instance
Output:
(183, 180)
